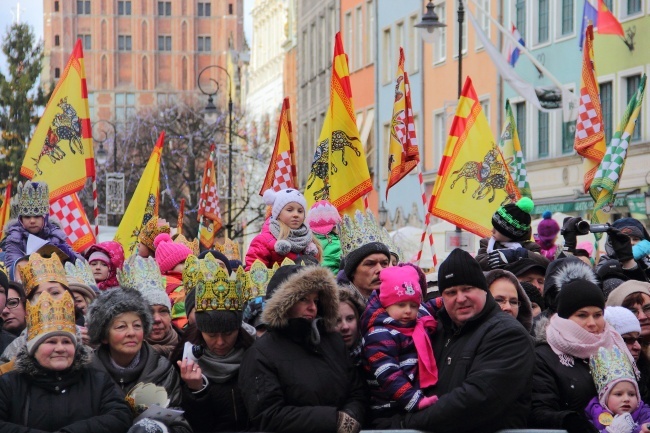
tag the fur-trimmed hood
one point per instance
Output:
(28, 365)
(525, 314)
(308, 280)
(539, 329)
(562, 271)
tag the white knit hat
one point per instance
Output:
(279, 199)
(622, 319)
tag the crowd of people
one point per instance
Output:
(323, 327)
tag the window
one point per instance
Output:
(632, 84)
(370, 31)
(543, 133)
(567, 17)
(399, 40)
(124, 8)
(92, 110)
(633, 7)
(83, 7)
(347, 28)
(520, 118)
(439, 137)
(440, 45)
(464, 41)
(164, 9)
(85, 41)
(165, 99)
(412, 50)
(57, 40)
(483, 20)
(230, 9)
(164, 43)
(608, 3)
(607, 107)
(485, 106)
(542, 21)
(358, 39)
(205, 9)
(205, 43)
(124, 42)
(57, 72)
(56, 6)
(387, 51)
(520, 17)
(124, 106)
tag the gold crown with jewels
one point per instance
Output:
(358, 230)
(150, 230)
(32, 199)
(39, 270)
(48, 315)
(229, 248)
(192, 245)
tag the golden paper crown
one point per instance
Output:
(150, 230)
(41, 270)
(33, 199)
(192, 245)
(215, 289)
(259, 276)
(229, 249)
(608, 365)
(48, 315)
(358, 230)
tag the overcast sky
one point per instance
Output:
(31, 12)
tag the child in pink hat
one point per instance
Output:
(323, 219)
(170, 257)
(397, 348)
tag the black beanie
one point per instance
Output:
(214, 321)
(190, 301)
(460, 268)
(355, 257)
(280, 276)
(513, 220)
(576, 295)
(533, 294)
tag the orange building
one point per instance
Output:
(142, 52)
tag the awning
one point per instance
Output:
(634, 202)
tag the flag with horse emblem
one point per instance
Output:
(339, 171)
(209, 215)
(61, 151)
(467, 192)
(281, 173)
(144, 202)
(403, 153)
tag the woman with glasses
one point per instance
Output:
(511, 297)
(13, 315)
(635, 296)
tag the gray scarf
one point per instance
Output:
(299, 238)
(221, 369)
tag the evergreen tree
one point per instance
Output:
(20, 97)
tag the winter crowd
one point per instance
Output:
(323, 329)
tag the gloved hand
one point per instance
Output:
(570, 233)
(347, 424)
(500, 258)
(148, 425)
(574, 423)
(622, 423)
(641, 249)
(427, 401)
(621, 243)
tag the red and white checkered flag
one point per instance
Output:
(281, 173)
(70, 212)
(209, 214)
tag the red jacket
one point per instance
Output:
(263, 248)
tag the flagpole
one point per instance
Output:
(427, 222)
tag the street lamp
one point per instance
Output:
(383, 214)
(211, 112)
(430, 22)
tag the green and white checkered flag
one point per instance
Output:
(610, 170)
(511, 150)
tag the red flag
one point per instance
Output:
(5, 209)
(209, 214)
(74, 222)
(607, 22)
(281, 173)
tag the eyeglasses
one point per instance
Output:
(645, 309)
(12, 303)
(512, 302)
(632, 340)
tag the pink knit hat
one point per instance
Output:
(399, 284)
(322, 217)
(169, 253)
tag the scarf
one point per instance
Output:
(549, 253)
(507, 245)
(165, 346)
(221, 369)
(427, 368)
(109, 282)
(299, 238)
(569, 340)
(132, 365)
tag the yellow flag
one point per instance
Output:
(143, 204)
(61, 151)
(339, 171)
(467, 192)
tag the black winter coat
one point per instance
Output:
(79, 400)
(485, 371)
(558, 390)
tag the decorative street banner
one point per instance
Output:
(467, 192)
(114, 193)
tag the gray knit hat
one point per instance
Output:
(111, 303)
